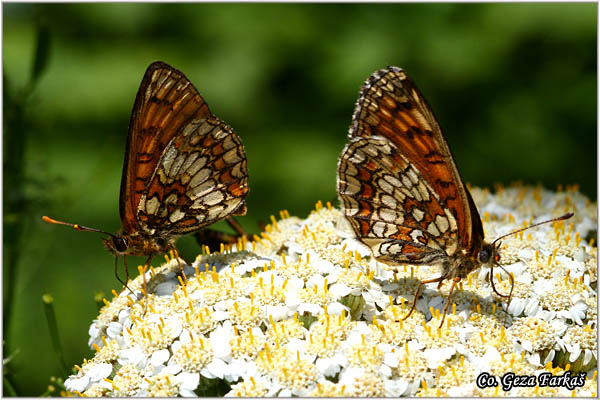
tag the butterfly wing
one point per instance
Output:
(391, 207)
(184, 168)
(437, 216)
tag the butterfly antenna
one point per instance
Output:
(512, 281)
(561, 218)
(76, 226)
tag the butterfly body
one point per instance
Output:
(136, 244)
(462, 264)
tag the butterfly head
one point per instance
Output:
(489, 253)
(116, 244)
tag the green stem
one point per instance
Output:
(15, 198)
(48, 301)
(8, 388)
(14, 147)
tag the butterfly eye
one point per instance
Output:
(119, 244)
(483, 256)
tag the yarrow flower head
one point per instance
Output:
(304, 309)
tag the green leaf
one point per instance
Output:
(42, 53)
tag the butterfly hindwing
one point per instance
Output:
(200, 180)
(390, 206)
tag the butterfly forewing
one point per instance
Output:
(429, 195)
(184, 168)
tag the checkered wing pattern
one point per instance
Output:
(397, 180)
(184, 168)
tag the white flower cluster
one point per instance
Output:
(305, 310)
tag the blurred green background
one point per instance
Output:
(513, 86)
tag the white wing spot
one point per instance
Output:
(350, 169)
(231, 156)
(391, 248)
(423, 191)
(352, 186)
(415, 235)
(200, 177)
(387, 214)
(389, 201)
(399, 195)
(392, 180)
(442, 223)
(350, 206)
(168, 158)
(177, 165)
(379, 228)
(228, 143)
(142, 204)
(189, 128)
(432, 229)
(453, 225)
(391, 229)
(417, 214)
(199, 191)
(385, 186)
(176, 215)
(236, 171)
(212, 198)
(216, 212)
(152, 205)
(189, 161)
(373, 151)
(195, 164)
(406, 182)
(416, 193)
(357, 157)
(413, 176)
(172, 199)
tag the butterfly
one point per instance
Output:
(401, 190)
(184, 168)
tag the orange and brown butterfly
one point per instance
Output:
(184, 168)
(401, 190)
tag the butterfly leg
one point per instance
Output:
(236, 226)
(261, 225)
(146, 265)
(145, 290)
(178, 258)
(418, 292)
(126, 272)
(213, 239)
(454, 282)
